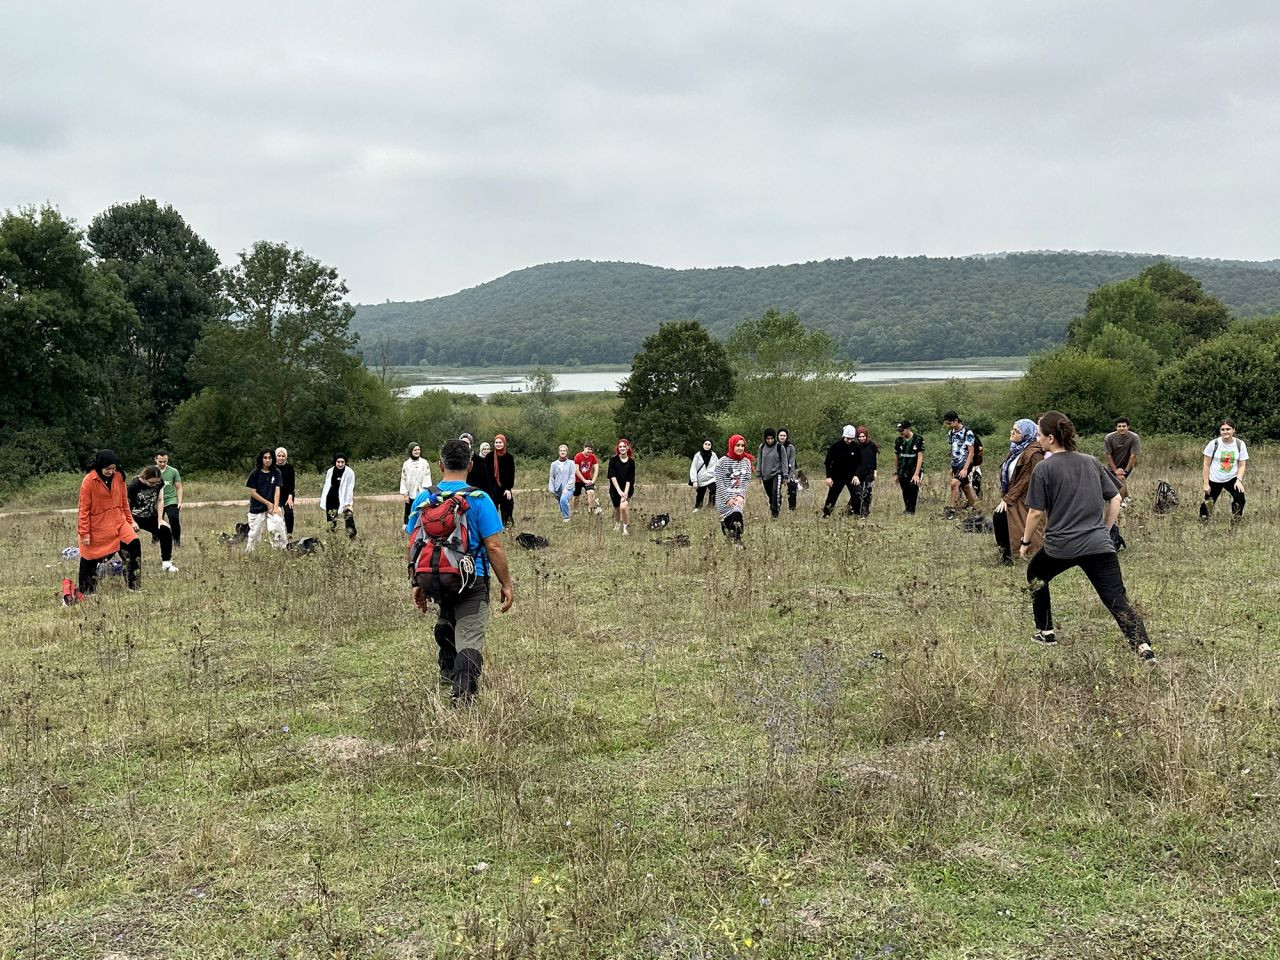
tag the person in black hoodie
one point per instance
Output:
(843, 460)
(288, 487)
(868, 450)
(504, 475)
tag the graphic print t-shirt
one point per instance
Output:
(585, 462)
(960, 439)
(906, 451)
(1226, 459)
(144, 501)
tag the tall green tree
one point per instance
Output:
(679, 381)
(279, 367)
(170, 275)
(64, 323)
(789, 376)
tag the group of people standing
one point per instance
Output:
(272, 486)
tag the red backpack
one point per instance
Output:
(442, 551)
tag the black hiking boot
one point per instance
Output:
(1046, 637)
(467, 666)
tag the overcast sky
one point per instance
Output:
(423, 148)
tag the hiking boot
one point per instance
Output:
(1046, 637)
(949, 513)
(467, 666)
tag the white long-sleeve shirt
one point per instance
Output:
(415, 476)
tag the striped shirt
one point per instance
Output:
(733, 478)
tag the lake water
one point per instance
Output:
(609, 380)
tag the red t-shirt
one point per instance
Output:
(585, 463)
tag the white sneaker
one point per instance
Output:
(564, 520)
(599, 509)
(168, 567)
(625, 531)
(696, 509)
(617, 527)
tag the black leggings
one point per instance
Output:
(773, 490)
(1215, 490)
(1103, 571)
(792, 489)
(288, 519)
(833, 496)
(88, 576)
(162, 533)
(1000, 524)
(863, 497)
(348, 519)
(506, 506)
(703, 493)
(733, 525)
(910, 494)
(173, 514)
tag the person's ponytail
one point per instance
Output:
(1059, 426)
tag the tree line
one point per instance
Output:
(887, 309)
(133, 335)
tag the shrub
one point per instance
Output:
(1091, 390)
(1232, 375)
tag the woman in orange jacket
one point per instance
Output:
(105, 524)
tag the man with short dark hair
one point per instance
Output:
(962, 443)
(586, 468)
(172, 495)
(908, 450)
(462, 619)
(1122, 447)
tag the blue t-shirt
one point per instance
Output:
(482, 518)
(265, 485)
(960, 439)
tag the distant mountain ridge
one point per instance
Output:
(881, 309)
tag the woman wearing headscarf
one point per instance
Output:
(733, 479)
(1015, 477)
(622, 483)
(702, 474)
(769, 469)
(787, 449)
(867, 470)
(504, 479)
(105, 525)
(338, 495)
(480, 473)
(415, 476)
(560, 480)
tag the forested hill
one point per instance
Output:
(886, 309)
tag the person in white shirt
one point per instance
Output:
(415, 476)
(702, 474)
(338, 496)
(1225, 460)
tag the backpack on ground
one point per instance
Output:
(660, 521)
(531, 541)
(1166, 497)
(443, 549)
(977, 451)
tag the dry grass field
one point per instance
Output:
(837, 742)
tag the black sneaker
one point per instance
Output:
(1046, 637)
(949, 513)
(1145, 653)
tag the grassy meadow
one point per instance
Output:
(837, 742)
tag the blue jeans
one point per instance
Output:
(565, 496)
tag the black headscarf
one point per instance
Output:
(104, 459)
(338, 471)
(707, 454)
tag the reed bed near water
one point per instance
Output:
(838, 741)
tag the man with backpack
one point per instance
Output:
(455, 543)
(966, 453)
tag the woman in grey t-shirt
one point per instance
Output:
(1074, 489)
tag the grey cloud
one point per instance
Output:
(423, 148)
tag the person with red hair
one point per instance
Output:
(622, 484)
(733, 479)
(504, 479)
